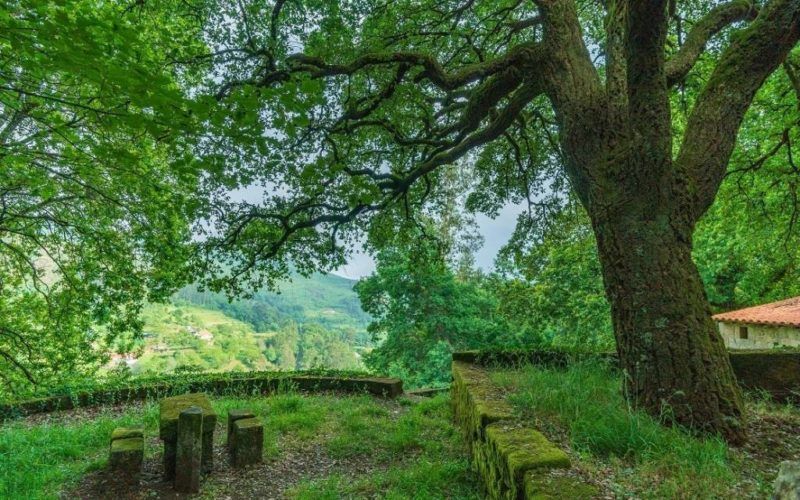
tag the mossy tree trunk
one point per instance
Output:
(674, 361)
(644, 200)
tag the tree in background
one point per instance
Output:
(428, 300)
(96, 199)
(423, 311)
(552, 290)
(425, 297)
(748, 246)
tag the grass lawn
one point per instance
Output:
(629, 454)
(316, 446)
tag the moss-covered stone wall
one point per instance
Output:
(214, 383)
(510, 458)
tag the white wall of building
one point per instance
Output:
(759, 336)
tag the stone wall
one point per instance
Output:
(777, 373)
(759, 336)
(214, 383)
(511, 459)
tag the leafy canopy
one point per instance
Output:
(344, 113)
(97, 192)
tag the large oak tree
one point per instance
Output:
(346, 111)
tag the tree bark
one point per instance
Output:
(644, 201)
(675, 362)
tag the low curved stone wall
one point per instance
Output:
(522, 357)
(250, 383)
(511, 459)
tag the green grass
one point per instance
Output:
(424, 453)
(37, 459)
(424, 480)
(584, 405)
(413, 446)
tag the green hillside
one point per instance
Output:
(314, 322)
(322, 298)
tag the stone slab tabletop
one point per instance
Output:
(171, 408)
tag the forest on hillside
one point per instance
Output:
(313, 322)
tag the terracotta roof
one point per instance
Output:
(781, 313)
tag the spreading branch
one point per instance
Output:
(714, 123)
(720, 17)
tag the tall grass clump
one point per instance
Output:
(586, 403)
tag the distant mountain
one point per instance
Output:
(314, 322)
(326, 299)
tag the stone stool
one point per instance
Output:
(248, 442)
(233, 416)
(169, 411)
(127, 452)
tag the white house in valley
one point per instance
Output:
(767, 326)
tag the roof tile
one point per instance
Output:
(781, 313)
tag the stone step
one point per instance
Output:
(233, 416)
(127, 452)
(248, 442)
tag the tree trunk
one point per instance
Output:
(675, 362)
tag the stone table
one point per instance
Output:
(169, 411)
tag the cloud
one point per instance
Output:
(495, 232)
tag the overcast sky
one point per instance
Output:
(496, 233)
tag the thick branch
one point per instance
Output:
(616, 75)
(432, 70)
(573, 77)
(493, 130)
(525, 24)
(484, 98)
(574, 88)
(706, 28)
(648, 102)
(713, 126)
